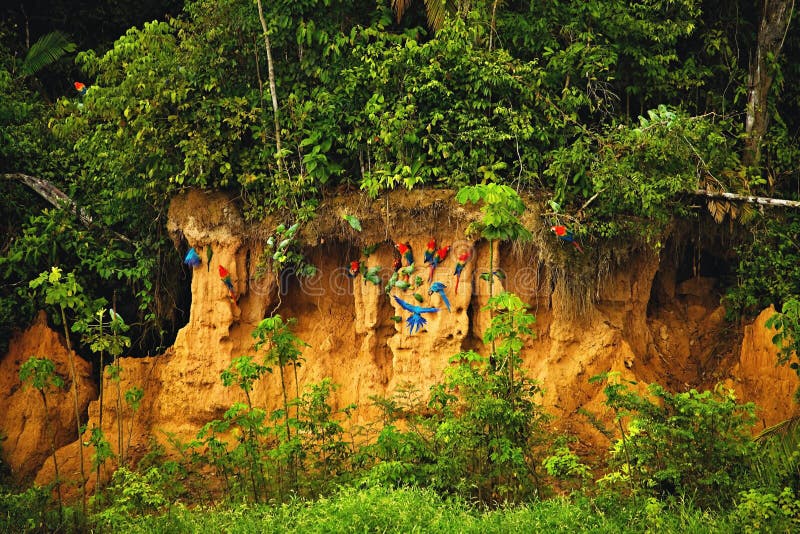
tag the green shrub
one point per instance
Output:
(28, 511)
(478, 434)
(694, 444)
(132, 494)
(767, 512)
(769, 266)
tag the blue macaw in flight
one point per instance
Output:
(415, 320)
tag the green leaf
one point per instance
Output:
(353, 222)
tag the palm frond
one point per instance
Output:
(786, 427)
(48, 49)
(437, 12)
(400, 7)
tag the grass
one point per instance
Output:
(413, 510)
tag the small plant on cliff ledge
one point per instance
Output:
(281, 255)
(41, 374)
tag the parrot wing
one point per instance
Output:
(414, 309)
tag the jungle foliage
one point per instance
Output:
(614, 110)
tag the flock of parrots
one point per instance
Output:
(401, 277)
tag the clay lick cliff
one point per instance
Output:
(646, 314)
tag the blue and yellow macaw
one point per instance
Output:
(438, 287)
(415, 320)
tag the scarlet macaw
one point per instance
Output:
(415, 320)
(355, 268)
(192, 259)
(81, 88)
(438, 287)
(438, 258)
(566, 236)
(462, 261)
(226, 279)
(430, 250)
(406, 252)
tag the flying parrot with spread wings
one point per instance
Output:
(430, 250)
(438, 287)
(463, 258)
(405, 250)
(566, 236)
(415, 320)
(192, 259)
(226, 279)
(438, 258)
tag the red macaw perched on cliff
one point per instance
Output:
(430, 250)
(462, 261)
(355, 268)
(566, 236)
(81, 88)
(226, 279)
(438, 258)
(405, 250)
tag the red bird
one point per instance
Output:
(430, 250)
(81, 88)
(355, 268)
(438, 258)
(566, 236)
(406, 252)
(226, 279)
(462, 261)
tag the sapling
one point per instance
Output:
(40, 373)
(501, 209)
(66, 293)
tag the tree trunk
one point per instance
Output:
(271, 76)
(775, 18)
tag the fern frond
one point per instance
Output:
(48, 49)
